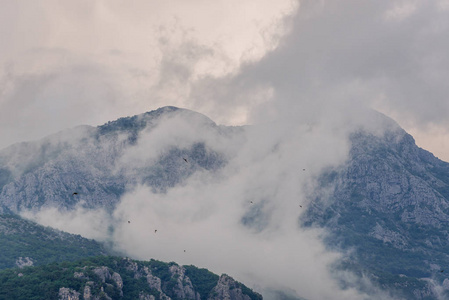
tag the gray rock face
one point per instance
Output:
(183, 288)
(389, 236)
(143, 296)
(93, 166)
(155, 283)
(68, 294)
(105, 274)
(227, 289)
(24, 262)
(389, 203)
(87, 294)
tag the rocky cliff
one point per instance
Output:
(388, 205)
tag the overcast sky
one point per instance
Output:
(242, 219)
(320, 62)
(66, 63)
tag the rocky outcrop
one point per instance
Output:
(24, 262)
(68, 294)
(105, 274)
(388, 236)
(227, 289)
(87, 293)
(164, 282)
(143, 296)
(183, 288)
(155, 283)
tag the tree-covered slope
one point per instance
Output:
(24, 243)
(110, 277)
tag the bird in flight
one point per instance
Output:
(74, 193)
(300, 206)
(155, 230)
(129, 222)
(185, 159)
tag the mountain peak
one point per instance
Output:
(138, 122)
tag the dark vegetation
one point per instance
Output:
(202, 280)
(44, 282)
(22, 238)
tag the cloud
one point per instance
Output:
(90, 223)
(304, 78)
(242, 219)
(388, 55)
(236, 62)
(65, 64)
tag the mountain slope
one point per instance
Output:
(95, 165)
(390, 205)
(24, 243)
(387, 207)
(120, 278)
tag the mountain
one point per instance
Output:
(389, 205)
(386, 208)
(109, 277)
(82, 165)
(25, 243)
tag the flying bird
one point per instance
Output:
(442, 271)
(75, 193)
(185, 159)
(155, 230)
(129, 222)
(300, 206)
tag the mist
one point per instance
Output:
(303, 73)
(242, 219)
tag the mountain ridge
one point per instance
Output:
(386, 207)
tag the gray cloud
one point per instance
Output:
(66, 64)
(305, 92)
(240, 220)
(390, 55)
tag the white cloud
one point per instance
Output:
(90, 62)
(401, 10)
(90, 223)
(243, 219)
(347, 51)
(64, 64)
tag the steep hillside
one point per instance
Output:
(24, 243)
(386, 207)
(94, 166)
(389, 205)
(120, 278)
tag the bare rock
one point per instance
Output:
(68, 294)
(227, 289)
(24, 262)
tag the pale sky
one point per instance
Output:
(67, 63)
(321, 62)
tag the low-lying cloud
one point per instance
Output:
(242, 219)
